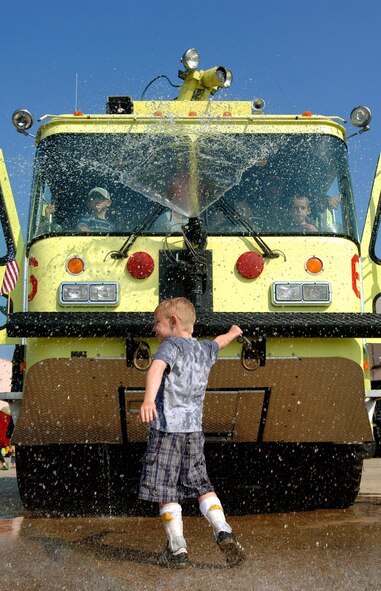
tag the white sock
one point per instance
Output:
(173, 524)
(211, 509)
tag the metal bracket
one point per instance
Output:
(253, 353)
(138, 354)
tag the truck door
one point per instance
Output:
(11, 254)
(371, 271)
(371, 250)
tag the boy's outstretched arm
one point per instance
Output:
(148, 410)
(224, 340)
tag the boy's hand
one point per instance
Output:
(333, 202)
(309, 228)
(155, 373)
(148, 412)
(235, 331)
(224, 340)
(50, 209)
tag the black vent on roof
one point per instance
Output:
(119, 105)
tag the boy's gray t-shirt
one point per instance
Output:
(180, 398)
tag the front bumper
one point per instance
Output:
(263, 324)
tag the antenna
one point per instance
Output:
(76, 93)
(76, 112)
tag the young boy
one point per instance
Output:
(174, 464)
(300, 212)
(99, 202)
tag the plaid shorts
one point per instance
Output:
(174, 467)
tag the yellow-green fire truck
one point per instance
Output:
(248, 214)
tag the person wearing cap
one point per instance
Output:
(96, 220)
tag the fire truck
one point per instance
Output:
(248, 214)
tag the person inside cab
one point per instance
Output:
(96, 220)
(300, 215)
(48, 223)
(93, 220)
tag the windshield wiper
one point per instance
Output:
(151, 216)
(235, 217)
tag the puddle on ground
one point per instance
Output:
(324, 549)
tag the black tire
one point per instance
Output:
(292, 477)
(103, 479)
(80, 479)
(338, 476)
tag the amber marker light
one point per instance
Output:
(75, 266)
(314, 265)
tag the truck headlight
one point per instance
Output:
(287, 292)
(103, 292)
(316, 292)
(74, 292)
(299, 292)
(86, 293)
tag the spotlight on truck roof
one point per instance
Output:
(361, 116)
(229, 78)
(217, 77)
(190, 59)
(22, 119)
(258, 104)
(199, 85)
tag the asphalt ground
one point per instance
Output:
(323, 550)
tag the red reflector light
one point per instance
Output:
(192, 114)
(307, 114)
(140, 265)
(250, 265)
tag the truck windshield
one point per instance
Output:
(279, 183)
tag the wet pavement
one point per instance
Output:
(322, 550)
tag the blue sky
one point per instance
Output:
(317, 55)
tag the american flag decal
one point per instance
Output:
(11, 274)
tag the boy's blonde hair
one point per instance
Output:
(180, 307)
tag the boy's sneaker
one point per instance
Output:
(178, 559)
(234, 553)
